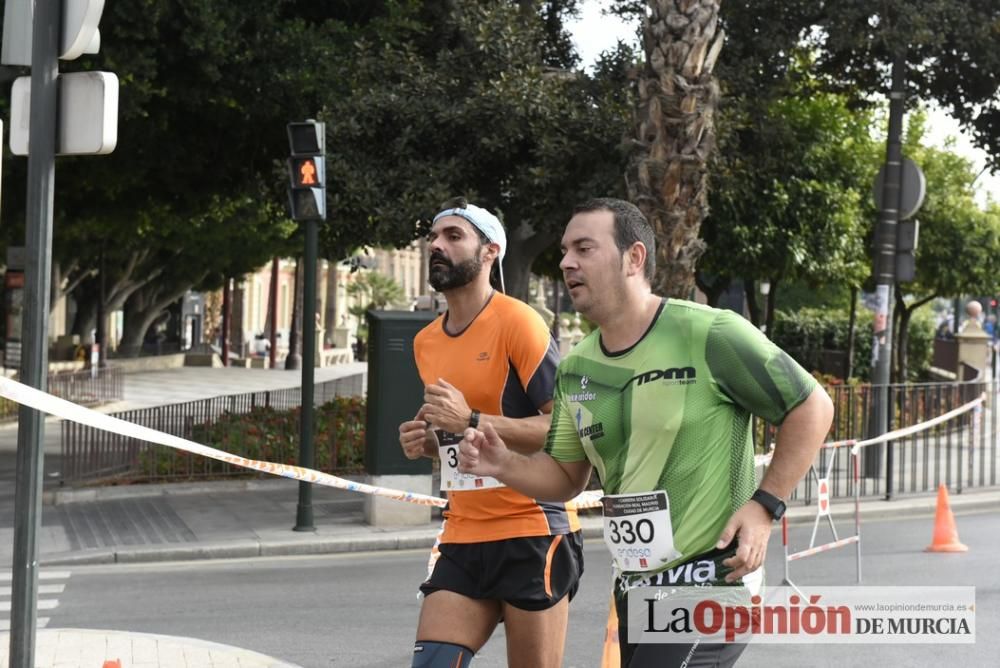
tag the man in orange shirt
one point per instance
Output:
(503, 556)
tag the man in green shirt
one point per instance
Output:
(659, 399)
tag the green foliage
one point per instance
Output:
(375, 291)
(471, 104)
(920, 345)
(806, 333)
(270, 435)
(790, 194)
(372, 290)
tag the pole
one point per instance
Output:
(304, 512)
(293, 359)
(885, 268)
(34, 330)
(273, 315)
(227, 315)
(102, 327)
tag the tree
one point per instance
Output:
(791, 198)
(207, 87)
(485, 103)
(950, 49)
(959, 249)
(675, 133)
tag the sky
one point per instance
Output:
(595, 33)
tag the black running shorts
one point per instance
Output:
(531, 573)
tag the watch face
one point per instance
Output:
(774, 506)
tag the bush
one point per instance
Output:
(807, 333)
(271, 435)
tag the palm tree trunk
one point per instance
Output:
(675, 133)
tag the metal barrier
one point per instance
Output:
(823, 485)
(823, 510)
(88, 387)
(89, 453)
(920, 461)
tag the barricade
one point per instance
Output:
(823, 487)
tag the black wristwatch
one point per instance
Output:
(474, 419)
(772, 504)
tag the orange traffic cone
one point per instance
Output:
(945, 533)
(611, 657)
(116, 663)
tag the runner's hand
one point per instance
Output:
(446, 407)
(751, 524)
(482, 453)
(417, 438)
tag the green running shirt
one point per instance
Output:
(673, 412)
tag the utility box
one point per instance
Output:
(395, 391)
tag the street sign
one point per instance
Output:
(80, 33)
(913, 187)
(88, 114)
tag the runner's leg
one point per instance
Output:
(536, 638)
(449, 617)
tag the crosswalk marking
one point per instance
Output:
(43, 604)
(42, 589)
(41, 624)
(46, 587)
(5, 576)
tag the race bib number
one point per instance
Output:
(451, 479)
(637, 530)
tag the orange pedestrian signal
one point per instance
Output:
(307, 173)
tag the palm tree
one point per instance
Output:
(675, 133)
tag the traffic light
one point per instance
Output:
(307, 170)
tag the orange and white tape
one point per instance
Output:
(47, 403)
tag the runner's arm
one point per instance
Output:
(417, 439)
(799, 439)
(445, 407)
(538, 475)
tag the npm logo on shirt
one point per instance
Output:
(673, 376)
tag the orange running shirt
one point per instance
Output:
(504, 363)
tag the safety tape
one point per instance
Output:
(47, 403)
(920, 426)
(67, 410)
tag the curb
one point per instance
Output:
(102, 645)
(377, 540)
(59, 497)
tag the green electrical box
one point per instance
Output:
(395, 391)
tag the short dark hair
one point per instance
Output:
(630, 226)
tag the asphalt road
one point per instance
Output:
(360, 609)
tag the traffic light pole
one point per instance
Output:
(885, 271)
(34, 332)
(304, 510)
(307, 203)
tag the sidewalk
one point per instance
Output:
(102, 523)
(65, 648)
(250, 518)
(254, 518)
